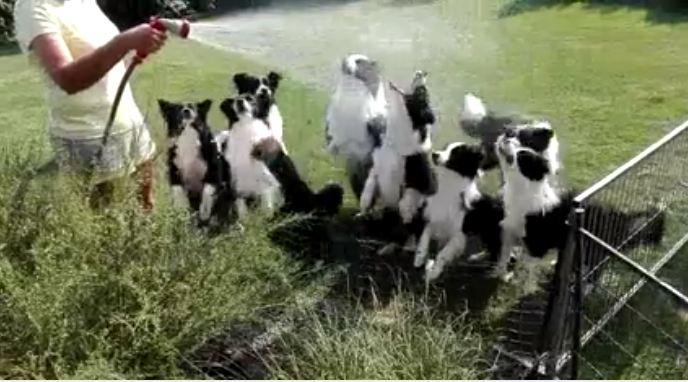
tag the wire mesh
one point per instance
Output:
(631, 327)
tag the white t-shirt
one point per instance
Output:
(83, 27)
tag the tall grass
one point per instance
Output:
(405, 339)
(115, 292)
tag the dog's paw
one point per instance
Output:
(362, 215)
(502, 274)
(238, 227)
(410, 245)
(387, 249)
(418, 261)
(432, 271)
(477, 257)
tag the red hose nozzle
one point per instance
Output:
(178, 27)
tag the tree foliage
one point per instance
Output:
(6, 20)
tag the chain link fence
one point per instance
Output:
(615, 306)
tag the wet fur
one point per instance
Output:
(199, 176)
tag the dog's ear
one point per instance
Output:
(203, 108)
(226, 106)
(532, 165)
(165, 107)
(274, 79)
(242, 82)
(537, 139)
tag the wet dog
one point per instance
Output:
(356, 117)
(252, 179)
(200, 177)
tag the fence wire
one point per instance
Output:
(631, 324)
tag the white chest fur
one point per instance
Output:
(251, 177)
(523, 197)
(188, 160)
(446, 209)
(350, 109)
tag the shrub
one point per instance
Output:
(6, 20)
(117, 293)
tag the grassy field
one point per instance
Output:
(118, 294)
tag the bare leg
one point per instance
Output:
(146, 177)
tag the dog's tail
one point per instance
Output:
(627, 230)
(329, 199)
(473, 108)
(472, 116)
(647, 227)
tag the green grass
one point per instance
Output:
(117, 294)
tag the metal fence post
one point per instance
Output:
(577, 224)
(560, 298)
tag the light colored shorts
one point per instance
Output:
(122, 155)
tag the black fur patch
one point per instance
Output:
(419, 110)
(532, 165)
(262, 88)
(465, 160)
(376, 130)
(298, 196)
(174, 114)
(419, 174)
(535, 138)
(231, 108)
(483, 219)
(218, 172)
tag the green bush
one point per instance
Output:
(116, 293)
(6, 20)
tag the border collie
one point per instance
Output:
(298, 196)
(199, 175)
(264, 90)
(356, 117)
(401, 168)
(536, 215)
(457, 210)
(479, 123)
(251, 177)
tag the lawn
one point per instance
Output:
(117, 294)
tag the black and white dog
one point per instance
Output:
(199, 175)
(401, 171)
(535, 213)
(298, 196)
(482, 124)
(264, 90)
(356, 117)
(252, 179)
(457, 210)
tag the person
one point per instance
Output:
(82, 56)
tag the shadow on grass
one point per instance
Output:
(9, 49)
(369, 280)
(658, 11)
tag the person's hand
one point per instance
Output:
(144, 39)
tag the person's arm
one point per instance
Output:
(75, 75)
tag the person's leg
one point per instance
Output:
(143, 150)
(145, 178)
